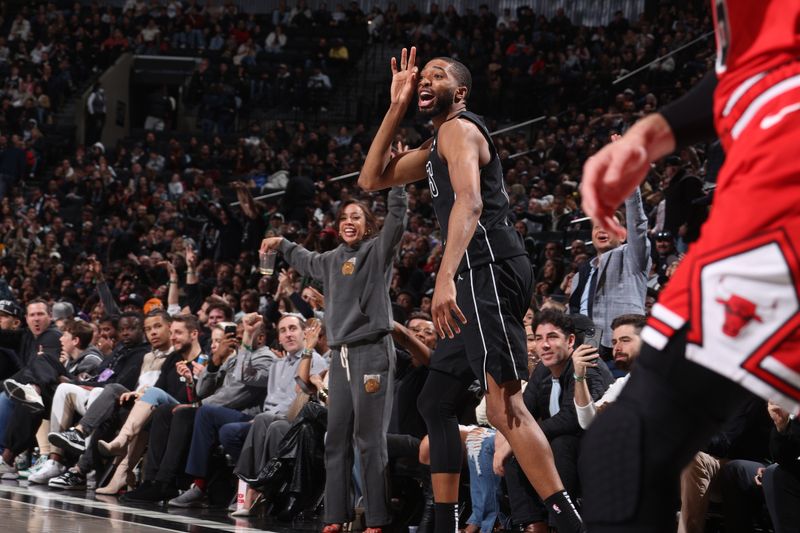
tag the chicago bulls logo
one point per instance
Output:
(738, 313)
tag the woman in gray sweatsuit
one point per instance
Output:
(358, 320)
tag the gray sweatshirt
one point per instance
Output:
(356, 279)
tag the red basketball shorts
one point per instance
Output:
(738, 288)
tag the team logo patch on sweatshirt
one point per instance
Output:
(372, 383)
(349, 266)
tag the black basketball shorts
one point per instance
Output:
(494, 298)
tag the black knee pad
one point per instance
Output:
(437, 405)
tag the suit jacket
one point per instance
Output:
(537, 399)
(622, 274)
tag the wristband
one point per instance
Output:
(247, 347)
(579, 378)
(307, 354)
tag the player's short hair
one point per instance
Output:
(460, 72)
(556, 318)
(637, 321)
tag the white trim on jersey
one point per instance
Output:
(755, 106)
(486, 236)
(480, 329)
(503, 322)
(740, 91)
(781, 370)
(668, 317)
(654, 338)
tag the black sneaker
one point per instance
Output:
(68, 481)
(150, 491)
(69, 439)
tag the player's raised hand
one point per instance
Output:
(610, 176)
(404, 77)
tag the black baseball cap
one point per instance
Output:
(12, 309)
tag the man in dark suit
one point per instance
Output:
(549, 397)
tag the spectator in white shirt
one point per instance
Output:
(626, 344)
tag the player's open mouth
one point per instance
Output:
(349, 232)
(426, 99)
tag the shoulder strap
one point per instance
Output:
(478, 121)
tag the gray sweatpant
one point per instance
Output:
(359, 408)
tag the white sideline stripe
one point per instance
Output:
(93, 517)
(668, 317)
(60, 497)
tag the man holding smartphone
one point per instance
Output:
(626, 342)
(548, 397)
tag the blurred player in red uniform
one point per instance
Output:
(728, 320)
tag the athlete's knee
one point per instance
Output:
(434, 409)
(505, 411)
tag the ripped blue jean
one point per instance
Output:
(483, 482)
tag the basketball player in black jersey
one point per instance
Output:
(483, 286)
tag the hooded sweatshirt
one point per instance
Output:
(356, 278)
(86, 364)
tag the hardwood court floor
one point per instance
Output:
(38, 509)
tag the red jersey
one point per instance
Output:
(738, 288)
(753, 37)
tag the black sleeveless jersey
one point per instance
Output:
(495, 237)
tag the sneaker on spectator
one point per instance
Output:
(25, 474)
(194, 497)
(69, 480)
(69, 439)
(50, 470)
(24, 393)
(7, 471)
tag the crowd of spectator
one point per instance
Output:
(109, 233)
